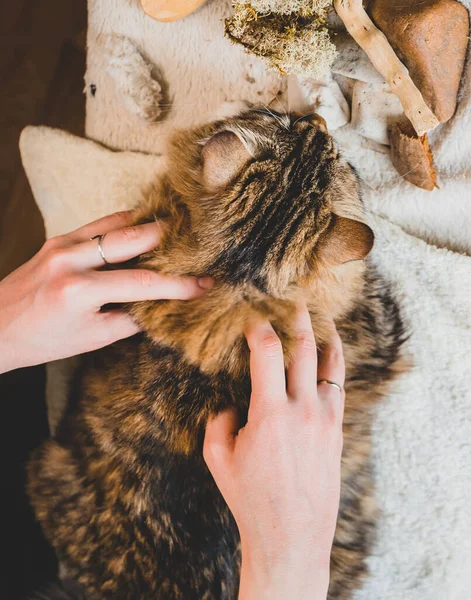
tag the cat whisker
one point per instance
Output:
(268, 112)
(311, 114)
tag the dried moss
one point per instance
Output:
(295, 43)
(285, 7)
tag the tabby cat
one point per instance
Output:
(265, 204)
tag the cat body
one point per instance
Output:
(266, 205)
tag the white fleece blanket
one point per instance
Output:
(422, 433)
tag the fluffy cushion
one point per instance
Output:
(75, 181)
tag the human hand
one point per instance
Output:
(280, 474)
(50, 306)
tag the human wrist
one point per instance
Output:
(7, 359)
(10, 353)
(283, 571)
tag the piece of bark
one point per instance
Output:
(430, 37)
(411, 156)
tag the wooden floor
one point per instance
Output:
(42, 63)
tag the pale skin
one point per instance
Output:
(50, 307)
(280, 473)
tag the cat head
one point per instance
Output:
(264, 203)
(268, 199)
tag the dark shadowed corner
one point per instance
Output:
(42, 63)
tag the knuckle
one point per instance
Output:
(310, 416)
(145, 278)
(122, 217)
(334, 356)
(53, 243)
(306, 343)
(69, 289)
(270, 344)
(57, 260)
(130, 233)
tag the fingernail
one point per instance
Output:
(206, 283)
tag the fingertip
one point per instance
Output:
(183, 288)
(258, 329)
(153, 230)
(169, 287)
(187, 288)
(205, 283)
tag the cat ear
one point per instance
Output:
(224, 155)
(345, 240)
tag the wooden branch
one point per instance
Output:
(383, 57)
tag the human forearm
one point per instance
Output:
(295, 575)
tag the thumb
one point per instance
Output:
(219, 439)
